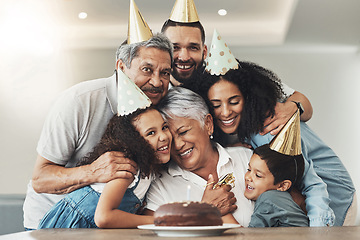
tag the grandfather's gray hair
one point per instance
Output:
(182, 102)
(127, 52)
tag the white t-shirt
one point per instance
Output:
(73, 127)
(288, 91)
(172, 186)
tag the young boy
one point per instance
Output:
(274, 169)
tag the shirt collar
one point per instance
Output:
(224, 159)
(175, 170)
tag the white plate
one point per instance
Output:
(195, 231)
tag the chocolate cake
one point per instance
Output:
(187, 214)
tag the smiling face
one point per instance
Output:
(150, 70)
(258, 178)
(155, 130)
(228, 103)
(191, 144)
(189, 50)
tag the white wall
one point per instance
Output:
(330, 78)
(28, 85)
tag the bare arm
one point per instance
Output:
(148, 212)
(229, 218)
(49, 177)
(283, 112)
(107, 214)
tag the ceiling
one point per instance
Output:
(249, 23)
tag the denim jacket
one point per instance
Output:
(77, 209)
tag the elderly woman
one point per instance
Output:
(196, 158)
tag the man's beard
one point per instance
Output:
(186, 80)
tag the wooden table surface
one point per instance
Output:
(303, 233)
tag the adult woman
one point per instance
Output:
(195, 156)
(239, 112)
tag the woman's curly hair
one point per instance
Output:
(121, 135)
(260, 88)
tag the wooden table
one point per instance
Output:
(303, 233)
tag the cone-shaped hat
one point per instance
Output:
(220, 59)
(138, 30)
(184, 11)
(130, 96)
(288, 140)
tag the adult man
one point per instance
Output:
(78, 120)
(187, 34)
(79, 117)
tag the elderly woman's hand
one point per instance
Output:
(220, 197)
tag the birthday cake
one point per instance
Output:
(187, 214)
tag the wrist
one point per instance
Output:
(87, 175)
(299, 106)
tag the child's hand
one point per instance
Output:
(220, 197)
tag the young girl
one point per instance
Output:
(142, 136)
(270, 177)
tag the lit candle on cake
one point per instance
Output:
(188, 193)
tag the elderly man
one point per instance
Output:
(77, 121)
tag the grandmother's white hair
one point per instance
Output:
(182, 102)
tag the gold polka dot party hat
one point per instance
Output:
(288, 140)
(184, 11)
(130, 96)
(220, 59)
(138, 30)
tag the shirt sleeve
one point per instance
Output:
(261, 216)
(288, 91)
(266, 213)
(258, 140)
(316, 198)
(61, 130)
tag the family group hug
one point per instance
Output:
(178, 115)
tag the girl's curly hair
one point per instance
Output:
(121, 135)
(260, 88)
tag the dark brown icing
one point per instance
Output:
(187, 214)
